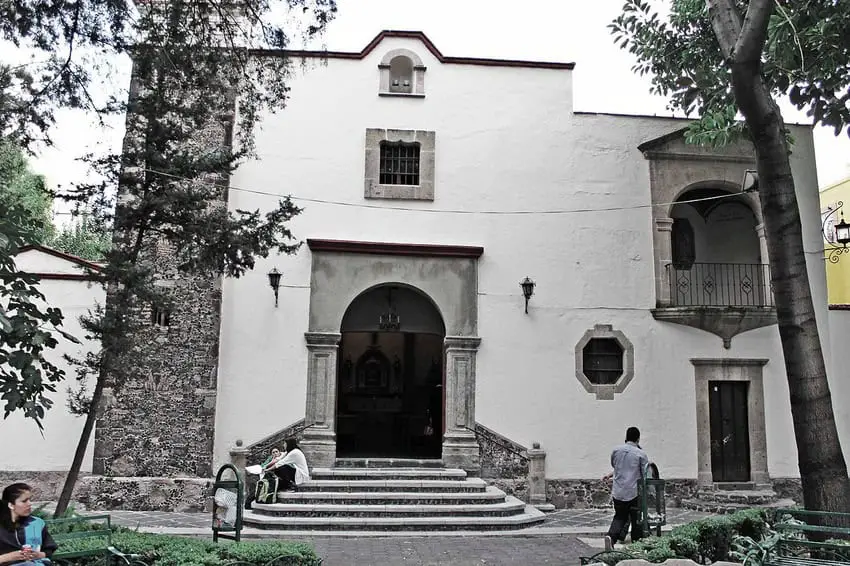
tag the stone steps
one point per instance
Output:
(753, 497)
(469, 485)
(413, 474)
(529, 517)
(363, 497)
(717, 507)
(387, 463)
(504, 508)
(490, 495)
(724, 499)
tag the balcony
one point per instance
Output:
(722, 298)
(720, 285)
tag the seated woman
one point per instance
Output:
(292, 468)
(23, 538)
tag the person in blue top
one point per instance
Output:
(23, 538)
(628, 461)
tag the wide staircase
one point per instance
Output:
(392, 495)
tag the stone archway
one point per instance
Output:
(390, 377)
(448, 276)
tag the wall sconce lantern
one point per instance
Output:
(750, 183)
(835, 233)
(274, 282)
(842, 232)
(527, 290)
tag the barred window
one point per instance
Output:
(603, 361)
(160, 317)
(399, 163)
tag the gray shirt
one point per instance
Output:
(628, 462)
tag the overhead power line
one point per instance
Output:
(446, 211)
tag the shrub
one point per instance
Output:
(705, 539)
(166, 550)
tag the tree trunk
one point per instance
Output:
(74, 472)
(823, 470)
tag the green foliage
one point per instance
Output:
(20, 187)
(805, 58)
(163, 198)
(165, 550)
(83, 239)
(706, 539)
(27, 328)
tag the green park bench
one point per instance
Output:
(84, 537)
(811, 539)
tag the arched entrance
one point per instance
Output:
(390, 384)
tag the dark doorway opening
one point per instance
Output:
(390, 382)
(730, 435)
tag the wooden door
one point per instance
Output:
(730, 436)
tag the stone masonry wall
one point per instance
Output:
(500, 457)
(161, 422)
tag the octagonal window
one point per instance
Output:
(605, 361)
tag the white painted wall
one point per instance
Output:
(506, 139)
(22, 445)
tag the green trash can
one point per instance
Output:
(653, 505)
(228, 504)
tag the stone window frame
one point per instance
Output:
(606, 392)
(373, 189)
(417, 80)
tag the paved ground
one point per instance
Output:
(556, 541)
(457, 551)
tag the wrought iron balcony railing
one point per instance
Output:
(721, 285)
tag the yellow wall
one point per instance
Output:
(837, 274)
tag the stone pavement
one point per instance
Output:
(556, 541)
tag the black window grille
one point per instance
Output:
(399, 163)
(603, 361)
(160, 317)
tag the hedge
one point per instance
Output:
(708, 539)
(168, 550)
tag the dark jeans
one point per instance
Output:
(625, 512)
(287, 476)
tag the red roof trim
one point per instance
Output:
(428, 44)
(61, 255)
(65, 276)
(386, 248)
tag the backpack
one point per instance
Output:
(266, 491)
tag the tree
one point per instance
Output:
(21, 188)
(721, 57)
(83, 239)
(194, 64)
(27, 327)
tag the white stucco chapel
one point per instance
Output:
(431, 187)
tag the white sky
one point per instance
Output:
(552, 30)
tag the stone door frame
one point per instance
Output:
(731, 369)
(448, 275)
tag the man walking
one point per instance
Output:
(628, 461)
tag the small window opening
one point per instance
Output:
(401, 74)
(160, 316)
(399, 163)
(603, 361)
